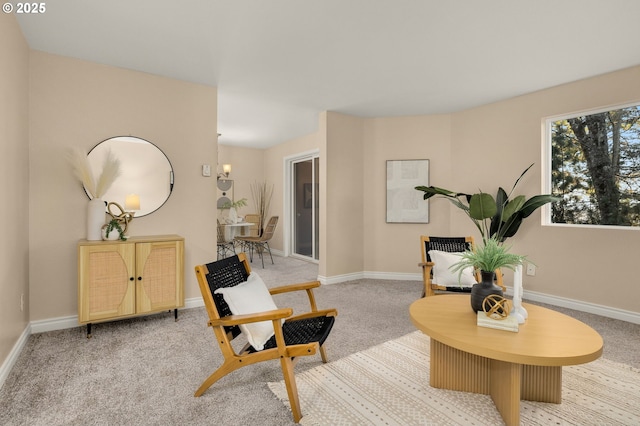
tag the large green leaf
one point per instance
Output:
(512, 207)
(430, 191)
(482, 206)
(535, 202)
(510, 227)
(496, 220)
(506, 215)
(521, 176)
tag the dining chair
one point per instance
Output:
(261, 243)
(224, 246)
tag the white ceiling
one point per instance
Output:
(278, 63)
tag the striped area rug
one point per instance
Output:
(389, 385)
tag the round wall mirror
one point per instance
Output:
(146, 175)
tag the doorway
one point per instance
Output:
(305, 206)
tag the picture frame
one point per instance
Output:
(224, 192)
(404, 203)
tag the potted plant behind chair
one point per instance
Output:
(487, 258)
(498, 218)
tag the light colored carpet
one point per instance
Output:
(144, 371)
(389, 384)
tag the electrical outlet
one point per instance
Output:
(22, 302)
(531, 269)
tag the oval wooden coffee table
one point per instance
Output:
(508, 366)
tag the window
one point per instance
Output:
(595, 167)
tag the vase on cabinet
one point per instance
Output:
(95, 219)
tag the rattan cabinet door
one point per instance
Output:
(160, 272)
(106, 286)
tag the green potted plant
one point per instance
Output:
(233, 207)
(112, 230)
(498, 217)
(486, 258)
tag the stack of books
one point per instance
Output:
(509, 323)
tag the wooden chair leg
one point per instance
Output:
(292, 388)
(323, 354)
(429, 291)
(224, 369)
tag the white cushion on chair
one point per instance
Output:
(250, 297)
(443, 275)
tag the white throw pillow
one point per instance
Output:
(443, 275)
(250, 297)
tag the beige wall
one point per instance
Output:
(77, 103)
(395, 247)
(274, 172)
(480, 148)
(247, 167)
(14, 175)
(496, 142)
(483, 148)
(250, 166)
(343, 234)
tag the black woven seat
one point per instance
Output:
(302, 331)
(299, 335)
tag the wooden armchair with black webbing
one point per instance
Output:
(438, 254)
(237, 301)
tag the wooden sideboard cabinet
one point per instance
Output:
(121, 279)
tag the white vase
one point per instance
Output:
(233, 215)
(95, 219)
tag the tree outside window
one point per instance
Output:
(595, 168)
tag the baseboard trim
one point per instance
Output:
(11, 360)
(398, 276)
(578, 305)
(194, 302)
(62, 323)
(51, 324)
(340, 278)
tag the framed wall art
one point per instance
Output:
(404, 203)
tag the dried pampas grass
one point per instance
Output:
(110, 172)
(82, 170)
(262, 193)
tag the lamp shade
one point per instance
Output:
(132, 202)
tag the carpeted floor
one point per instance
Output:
(144, 371)
(388, 384)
